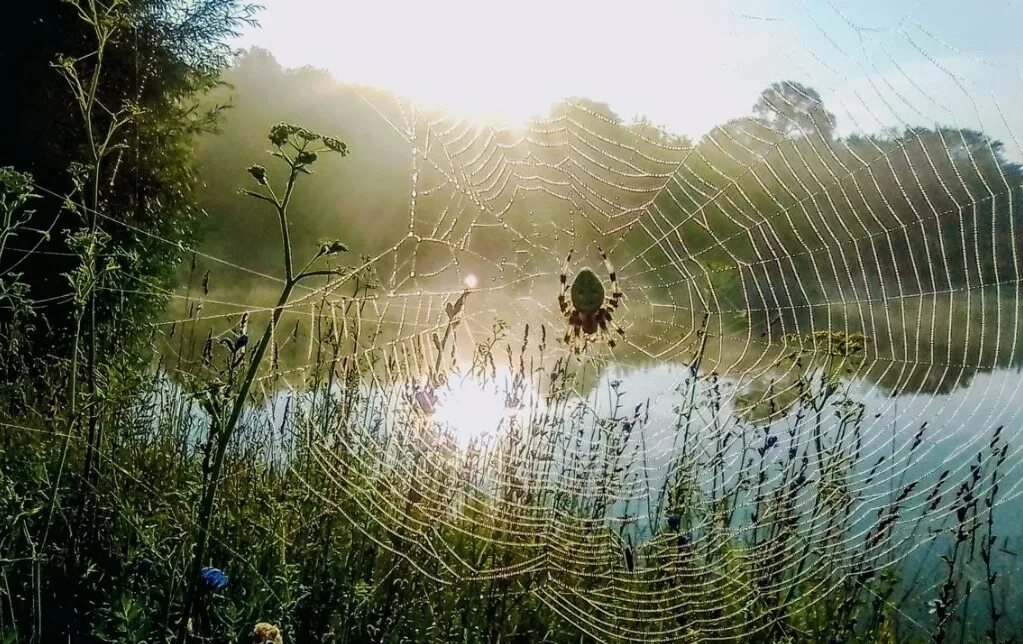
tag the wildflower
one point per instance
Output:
(266, 633)
(307, 135)
(306, 157)
(685, 539)
(258, 173)
(213, 578)
(674, 521)
(279, 133)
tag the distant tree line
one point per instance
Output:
(759, 202)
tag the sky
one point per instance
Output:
(686, 65)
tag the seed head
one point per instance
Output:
(258, 173)
(333, 247)
(334, 145)
(266, 633)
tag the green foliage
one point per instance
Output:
(17, 312)
(761, 200)
(324, 542)
(355, 518)
(121, 155)
(299, 149)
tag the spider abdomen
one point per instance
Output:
(587, 292)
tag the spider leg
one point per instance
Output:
(616, 327)
(562, 300)
(616, 292)
(603, 320)
(573, 323)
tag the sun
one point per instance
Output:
(505, 66)
(473, 407)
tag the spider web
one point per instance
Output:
(738, 456)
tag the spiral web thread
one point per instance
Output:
(706, 507)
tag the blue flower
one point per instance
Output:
(213, 578)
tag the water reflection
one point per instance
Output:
(475, 407)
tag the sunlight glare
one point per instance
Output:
(471, 282)
(506, 66)
(475, 407)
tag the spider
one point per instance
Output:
(589, 311)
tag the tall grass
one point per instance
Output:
(342, 512)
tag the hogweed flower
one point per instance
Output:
(280, 132)
(213, 578)
(307, 135)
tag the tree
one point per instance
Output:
(158, 57)
(793, 109)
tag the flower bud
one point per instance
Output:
(258, 173)
(333, 247)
